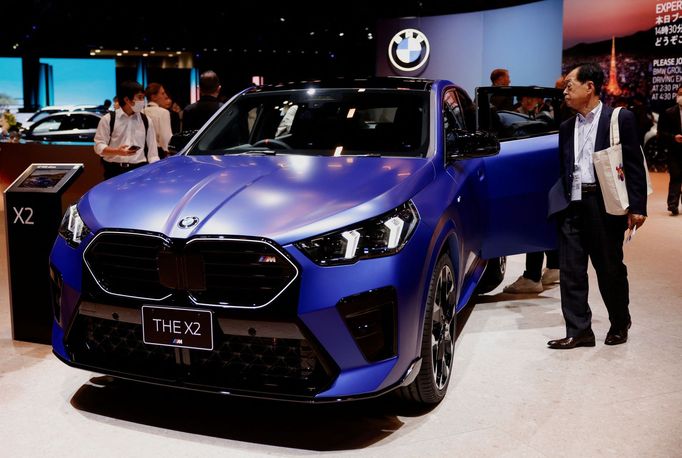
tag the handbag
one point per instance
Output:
(608, 164)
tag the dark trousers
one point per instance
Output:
(534, 263)
(675, 171)
(587, 231)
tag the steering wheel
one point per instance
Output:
(271, 141)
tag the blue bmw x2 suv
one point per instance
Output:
(312, 242)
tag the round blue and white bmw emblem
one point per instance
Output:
(188, 221)
(408, 50)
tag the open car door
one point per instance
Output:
(517, 180)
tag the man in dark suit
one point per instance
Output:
(586, 231)
(194, 116)
(670, 137)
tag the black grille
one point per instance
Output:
(241, 273)
(270, 364)
(127, 264)
(118, 346)
(256, 364)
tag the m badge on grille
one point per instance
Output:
(188, 221)
(267, 259)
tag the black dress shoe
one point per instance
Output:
(617, 337)
(674, 211)
(584, 340)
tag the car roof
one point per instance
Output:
(352, 83)
(71, 112)
(66, 107)
(57, 107)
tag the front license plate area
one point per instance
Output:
(177, 327)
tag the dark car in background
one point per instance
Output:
(70, 126)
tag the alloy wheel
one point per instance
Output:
(443, 329)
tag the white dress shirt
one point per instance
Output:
(160, 117)
(128, 130)
(585, 137)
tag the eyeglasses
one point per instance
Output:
(571, 84)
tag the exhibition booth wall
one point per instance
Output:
(464, 48)
(636, 42)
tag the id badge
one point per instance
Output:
(576, 191)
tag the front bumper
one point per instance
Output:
(302, 347)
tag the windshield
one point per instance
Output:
(334, 122)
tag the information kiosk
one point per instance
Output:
(34, 207)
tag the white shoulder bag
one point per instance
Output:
(608, 164)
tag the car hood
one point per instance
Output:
(283, 198)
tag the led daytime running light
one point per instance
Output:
(75, 224)
(352, 238)
(395, 226)
(72, 228)
(383, 235)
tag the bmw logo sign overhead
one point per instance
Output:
(408, 50)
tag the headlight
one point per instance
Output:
(72, 227)
(380, 236)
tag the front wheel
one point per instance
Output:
(438, 340)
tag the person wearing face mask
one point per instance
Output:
(670, 137)
(125, 139)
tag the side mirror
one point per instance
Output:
(463, 144)
(180, 140)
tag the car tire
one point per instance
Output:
(493, 275)
(438, 339)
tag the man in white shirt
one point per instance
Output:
(125, 139)
(586, 231)
(156, 110)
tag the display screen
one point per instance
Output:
(47, 178)
(43, 179)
